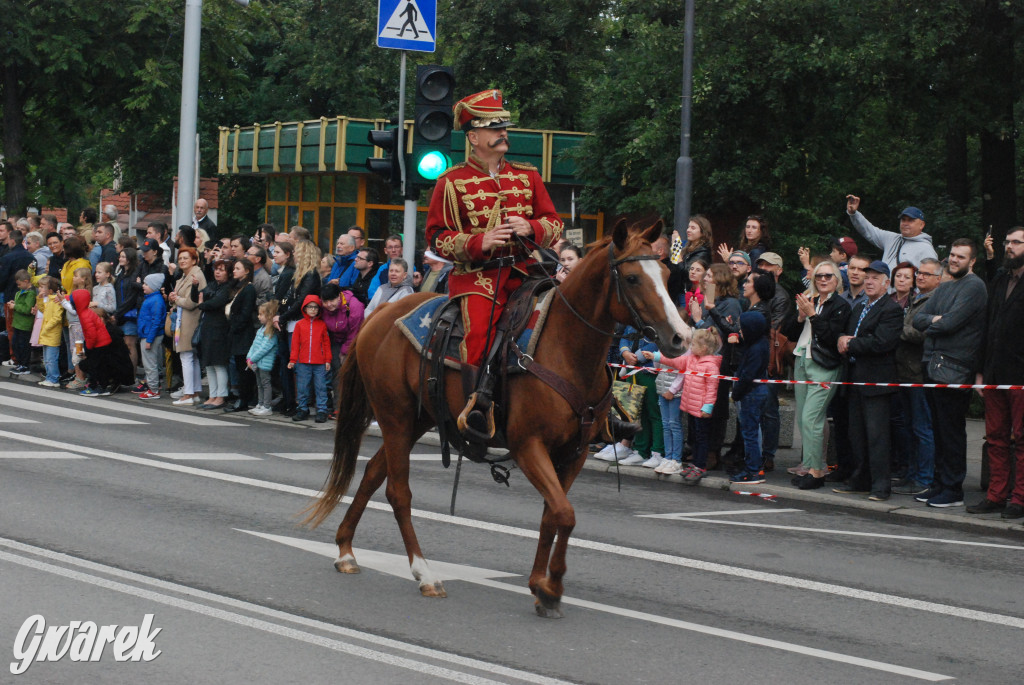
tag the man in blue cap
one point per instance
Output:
(911, 244)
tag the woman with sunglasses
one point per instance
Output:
(821, 319)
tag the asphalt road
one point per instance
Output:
(111, 509)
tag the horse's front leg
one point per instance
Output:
(373, 476)
(556, 526)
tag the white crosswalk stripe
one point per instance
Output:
(8, 418)
(56, 411)
(205, 456)
(147, 412)
(40, 455)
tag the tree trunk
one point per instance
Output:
(14, 159)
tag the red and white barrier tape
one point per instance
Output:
(826, 384)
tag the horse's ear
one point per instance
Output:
(620, 234)
(654, 232)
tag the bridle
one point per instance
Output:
(643, 329)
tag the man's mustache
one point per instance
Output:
(498, 142)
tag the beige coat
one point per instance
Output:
(189, 309)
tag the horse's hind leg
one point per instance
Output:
(397, 444)
(373, 476)
(556, 526)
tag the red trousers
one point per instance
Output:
(477, 311)
(1004, 413)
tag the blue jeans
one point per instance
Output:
(751, 410)
(671, 427)
(51, 356)
(315, 375)
(921, 459)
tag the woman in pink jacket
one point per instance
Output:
(698, 398)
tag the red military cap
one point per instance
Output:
(482, 110)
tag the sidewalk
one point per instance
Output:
(778, 481)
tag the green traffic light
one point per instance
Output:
(433, 164)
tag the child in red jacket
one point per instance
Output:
(311, 358)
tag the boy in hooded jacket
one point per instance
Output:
(751, 396)
(310, 357)
(151, 333)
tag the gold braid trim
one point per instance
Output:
(526, 166)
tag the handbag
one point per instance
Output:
(169, 324)
(37, 326)
(823, 356)
(945, 369)
(630, 396)
(781, 353)
(196, 334)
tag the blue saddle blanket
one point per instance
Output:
(416, 327)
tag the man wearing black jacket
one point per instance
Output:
(1002, 363)
(873, 332)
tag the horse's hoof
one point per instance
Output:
(433, 590)
(547, 606)
(346, 564)
(545, 610)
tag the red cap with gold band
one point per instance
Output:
(482, 110)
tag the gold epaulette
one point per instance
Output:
(451, 169)
(525, 166)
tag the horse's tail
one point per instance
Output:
(354, 414)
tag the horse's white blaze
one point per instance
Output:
(653, 271)
(421, 571)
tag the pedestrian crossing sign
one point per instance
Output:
(407, 24)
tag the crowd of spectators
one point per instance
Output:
(879, 308)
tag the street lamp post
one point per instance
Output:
(684, 165)
(189, 105)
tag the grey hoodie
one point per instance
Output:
(895, 248)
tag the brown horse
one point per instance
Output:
(620, 280)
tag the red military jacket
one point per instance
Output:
(468, 201)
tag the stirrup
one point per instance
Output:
(475, 423)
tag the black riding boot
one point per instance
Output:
(476, 422)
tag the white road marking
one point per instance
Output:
(320, 456)
(301, 456)
(8, 418)
(856, 533)
(205, 456)
(40, 455)
(481, 576)
(376, 640)
(147, 411)
(56, 412)
(732, 512)
(842, 591)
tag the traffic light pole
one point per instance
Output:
(409, 218)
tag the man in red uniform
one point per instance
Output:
(476, 211)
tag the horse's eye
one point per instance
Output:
(632, 280)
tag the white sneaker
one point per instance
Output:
(182, 402)
(608, 452)
(671, 468)
(48, 384)
(654, 462)
(176, 395)
(261, 411)
(633, 459)
(9, 362)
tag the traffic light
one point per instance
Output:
(432, 125)
(386, 166)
